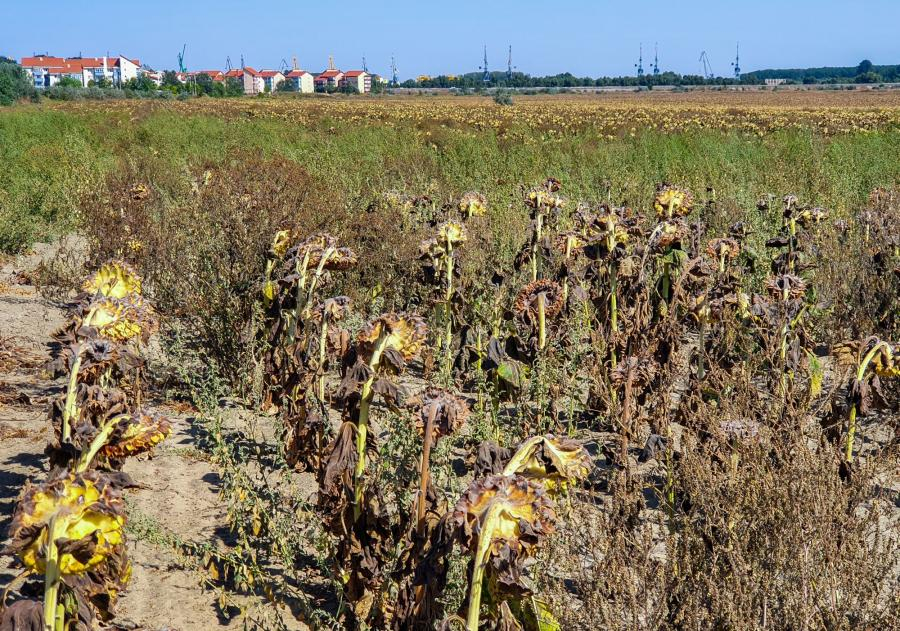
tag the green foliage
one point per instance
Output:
(69, 82)
(14, 83)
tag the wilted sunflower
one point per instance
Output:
(504, 519)
(449, 412)
(672, 201)
(320, 246)
(555, 462)
(668, 234)
(472, 204)
(725, 248)
(451, 233)
(786, 287)
(113, 279)
(120, 319)
(640, 371)
(333, 309)
(400, 332)
(569, 243)
(541, 198)
(86, 516)
(139, 192)
(136, 434)
(526, 304)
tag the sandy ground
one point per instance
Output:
(180, 492)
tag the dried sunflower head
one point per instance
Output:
(672, 201)
(726, 248)
(472, 204)
(569, 243)
(542, 198)
(136, 434)
(114, 279)
(789, 285)
(120, 319)
(320, 246)
(399, 332)
(450, 412)
(509, 509)
(527, 301)
(555, 462)
(668, 234)
(280, 243)
(451, 233)
(639, 370)
(86, 514)
(886, 361)
(333, 308)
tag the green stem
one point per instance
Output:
(448, 296)
(542, 322)
(538, 229)
(71, 409)
(322, 339)
(97, 444)
(51, 581)
(362, 426)
(473, 613)
(613, 307)
(860, 375)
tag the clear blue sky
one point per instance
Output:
(428, 37)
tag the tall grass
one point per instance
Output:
(49, 159)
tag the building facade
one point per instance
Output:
(46, 71)
(300, 81)
(359, 79)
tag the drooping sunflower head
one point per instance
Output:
(809, 216)
(280, 243)
(85, 513)
(399, 332)
(555, 462)
(510, 509)
(542, 198)
(786, 286)
(472, 204)
(672, 201)
(449, 412)
(137, 434)
(726, 248)
(667, 234)
(113, 279)
(120, 319)
(528, 301)
(322, 246)
(333, 309)
(451, 233)
(638, 371)
(569, 243)
(886, 358)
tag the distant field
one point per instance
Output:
(831, 147)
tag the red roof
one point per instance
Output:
(328, 74)
(355, 73)
(296, 73)
(252, 71)
(269, 73)
(74, 64)
(235, 72)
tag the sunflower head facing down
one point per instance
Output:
(324, 246)
(332, 309)
(137, 434)
(786, 286)
(509, 509)
(472, 204)
(113, 279)
(280, 243)
(85, 513)
(726, 248)
(399, 332)
(672, 201)
(451, 233)
(449, 412)
(527, 302)
(555, 462)
(120, 319)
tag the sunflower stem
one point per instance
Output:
(473, 614)
(448, 296)
(425, 470)
(71, 409)
(322, 339)
(52, 619)
(362, 426)
(97, 444)
(860, 375)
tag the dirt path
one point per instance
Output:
(179, 490)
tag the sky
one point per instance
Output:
(599, 38)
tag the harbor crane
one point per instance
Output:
(737, 63)
(707, 68)
(655, 60)
(365, 67)
(228, 64)
(509, 66)
(640, 64)
(181, 67)
(394, 80)
(486, 76)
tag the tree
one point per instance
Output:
(864, 67)
(234, 86)
(170, 79)
(14, 83)
(69, 82)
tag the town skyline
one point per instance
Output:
(604, 41)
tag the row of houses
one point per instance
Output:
(47, 71)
